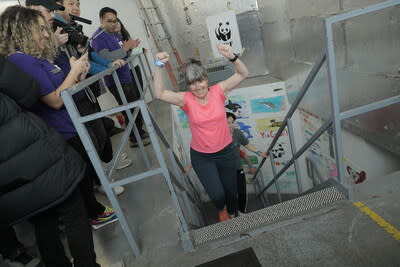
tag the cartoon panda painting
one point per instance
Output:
(223, 33)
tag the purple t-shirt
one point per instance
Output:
(111, 42)
(50, 77)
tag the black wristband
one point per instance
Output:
(234, 59)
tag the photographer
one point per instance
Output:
(47, 8)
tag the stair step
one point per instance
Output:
(269, 215)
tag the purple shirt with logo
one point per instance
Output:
(50, 77)
(111, 42)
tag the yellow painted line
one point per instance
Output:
(379, 220)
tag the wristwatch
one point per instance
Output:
(234, 58)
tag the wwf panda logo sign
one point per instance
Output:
(223, 29)
(223, 33)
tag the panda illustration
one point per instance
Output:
(278, 152)
(223, 33)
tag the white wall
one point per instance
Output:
(127, 12)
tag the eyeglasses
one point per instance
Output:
(111, 21)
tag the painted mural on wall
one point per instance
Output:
(322, 151)
(260, 111)
(272, 104)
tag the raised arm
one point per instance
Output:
(158, 85)
(241, 71)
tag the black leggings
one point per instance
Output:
(77, 228)
(217, 173)
(94, 207)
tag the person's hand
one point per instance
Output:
(225, 50)
(61, 38)
(187, 169)
(119, 62)
(162, 56)
(80, 67)
(131, 44)
(263, 154)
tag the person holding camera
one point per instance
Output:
(110, 45)
(48, 8)
(27, 41)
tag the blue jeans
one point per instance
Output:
(217, 173)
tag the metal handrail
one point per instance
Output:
(310, 78)
(303, 149)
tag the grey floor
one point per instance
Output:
(339, 235)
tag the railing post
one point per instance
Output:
(278, 191)
(337, 130)
(132, 118)
(95, 160)
(296, 162)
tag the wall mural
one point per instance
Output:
(260, 111)
(322, 151)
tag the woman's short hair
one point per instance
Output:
(194, 72)
(16, 24)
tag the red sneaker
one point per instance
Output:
(223, 215)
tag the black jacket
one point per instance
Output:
(37, 168)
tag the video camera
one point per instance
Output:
(74, 30)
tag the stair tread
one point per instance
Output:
(267, 215)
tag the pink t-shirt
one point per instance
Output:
(208, 123)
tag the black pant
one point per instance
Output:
(10, 247)
(94, 207)
(217, 173)
(242, 190)
(96, 128)
(77, 229)
(132, 93)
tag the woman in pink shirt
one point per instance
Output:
(211, 149)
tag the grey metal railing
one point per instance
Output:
(176, 179)
(337, 116)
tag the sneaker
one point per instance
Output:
(123, 155)
(144, 135)
(223, 215)
(135, 143)
(24, 259)
(123, 163)
(104, 219)
(117, 190)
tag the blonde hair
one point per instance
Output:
(16, 26)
